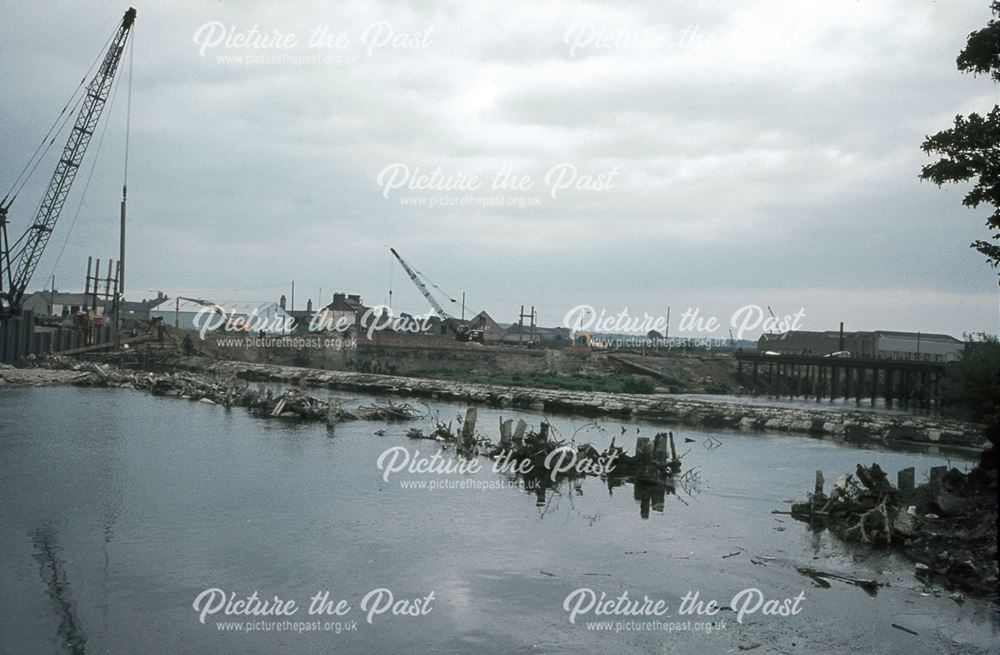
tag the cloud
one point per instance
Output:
(760, 149)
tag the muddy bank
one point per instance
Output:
(855, 427)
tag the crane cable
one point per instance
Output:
(93, 165)
(428, 281)
(50, 137)
(16, 247)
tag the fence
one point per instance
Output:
(18, 338)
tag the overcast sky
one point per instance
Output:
(714, 154)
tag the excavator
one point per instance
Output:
(19, 259)
(461, 330)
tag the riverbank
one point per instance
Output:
(867, 428)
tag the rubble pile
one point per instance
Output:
(947, 526)
(289, 403)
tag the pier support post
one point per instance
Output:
(888, 387)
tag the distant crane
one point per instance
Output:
(462, 331)
(19, 260)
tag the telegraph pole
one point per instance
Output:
(120, 296)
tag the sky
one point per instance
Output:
(702, 156)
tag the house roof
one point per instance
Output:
(484, 321)
(346, 304)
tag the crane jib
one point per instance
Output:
(16, 268)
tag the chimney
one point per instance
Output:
(283, 302)
(841, 336)
(339, 298)
(309, 305)
(355, 297)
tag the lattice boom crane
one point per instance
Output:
(18, 261)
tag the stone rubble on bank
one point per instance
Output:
(858, 426)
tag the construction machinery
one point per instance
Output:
(461, 330)
(19, 259)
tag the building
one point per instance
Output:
(886, 344)
(880, 344)
(549, 336)
(65, 304)
(346, 311)
(303, 317)
(492, 332)
(802, 342)
(250, 317)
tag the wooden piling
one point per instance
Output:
(332, 411)
(468, 436)
(506, 428)
(905, 479)
(643, 448)
(660, 446)
(819, 484)
(874, 385)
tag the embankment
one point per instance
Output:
(855, 427)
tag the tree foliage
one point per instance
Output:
(970, 150)
(972, 384)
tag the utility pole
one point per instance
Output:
(463, 305)
(293, 295)
(120, 296)
(86, 290)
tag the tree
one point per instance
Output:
(972, 385)
(970, 151)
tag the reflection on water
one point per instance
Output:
(648, 496)
(150, 501)
(52, 570)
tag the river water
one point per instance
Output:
(120, 509)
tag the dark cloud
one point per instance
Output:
(765, 152)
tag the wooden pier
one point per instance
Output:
(900, 382)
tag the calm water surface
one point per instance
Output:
(120, 508)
